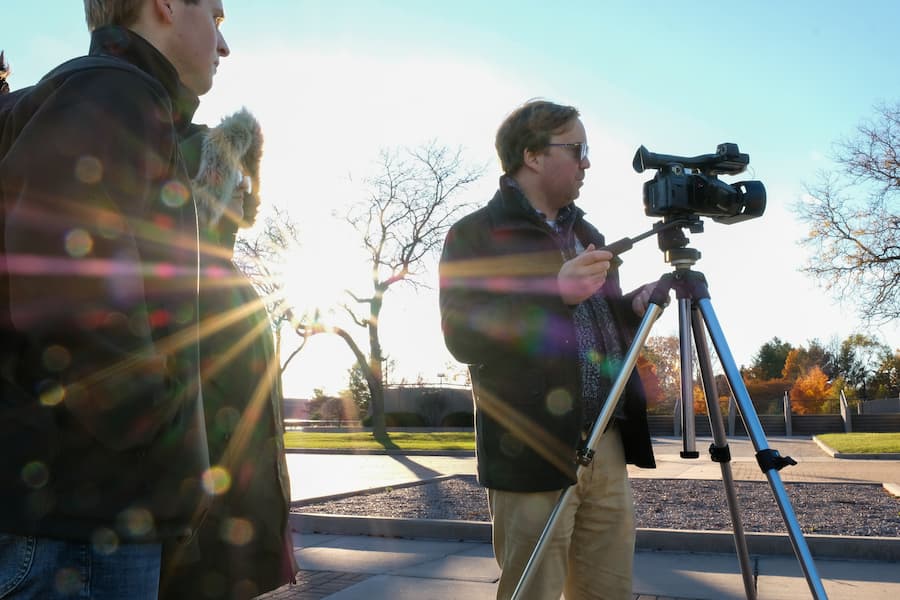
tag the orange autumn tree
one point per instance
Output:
(650, 380)
(699, 399)
(793, 364)
(723, 392)
(810, 392)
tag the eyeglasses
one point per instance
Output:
(580, 149)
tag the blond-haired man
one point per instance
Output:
(100, 418)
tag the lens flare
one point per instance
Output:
(79, 243)
(105, 541)
(175, 194)
(136, 521)
(237, 532)
(89, 169)
(52, 395)
(35, 474)
(67, 581)
(216, 480)
(559, 402)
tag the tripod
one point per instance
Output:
(694, 309)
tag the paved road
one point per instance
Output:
(318, 475)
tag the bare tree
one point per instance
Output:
(854, 219)
(409, 207)
(263, 260)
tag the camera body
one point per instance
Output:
(687, 186)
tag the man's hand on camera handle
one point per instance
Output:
(583, 275)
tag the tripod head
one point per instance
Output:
(670, 239)
(673, 242)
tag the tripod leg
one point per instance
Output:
(688, 429)
(606, 413)
(769, 460)
(720, 453)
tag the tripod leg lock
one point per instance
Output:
(585, 456)
(720, 454)
(770, 459)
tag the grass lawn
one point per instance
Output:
(396, 440)
(862, 443)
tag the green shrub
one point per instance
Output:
(458, 419)
(398, 419)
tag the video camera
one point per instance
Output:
(685, 186)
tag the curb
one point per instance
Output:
(854, 456)
(677, 540)
(770, 544)
(379, 451)
(435, 529)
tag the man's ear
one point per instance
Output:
(533, 160)
(164, 10)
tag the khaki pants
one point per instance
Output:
(591, 552)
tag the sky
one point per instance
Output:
(334, 83)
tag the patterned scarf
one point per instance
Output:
(600, 347)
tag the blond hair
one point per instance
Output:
(124, 13)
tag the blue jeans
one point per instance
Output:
(37, 567)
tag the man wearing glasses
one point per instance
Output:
(535, 309)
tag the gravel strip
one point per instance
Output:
(821, 508)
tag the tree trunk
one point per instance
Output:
(376, 362)
(376, 391)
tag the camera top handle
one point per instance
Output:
(727, 160)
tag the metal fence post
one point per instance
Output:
(732, 413)
(845, 414)
(788, 429)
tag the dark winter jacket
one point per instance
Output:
(100, 416)
(502, 314)
(242, 394)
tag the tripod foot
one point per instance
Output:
(769, 459)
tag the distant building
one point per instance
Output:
(296, 408)
(433, 403)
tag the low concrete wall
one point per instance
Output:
(880, 407)
(434, 403)
(774, 425)
(886, 423)
(675, 540)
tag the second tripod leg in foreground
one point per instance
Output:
(719, 451)
(769, 460)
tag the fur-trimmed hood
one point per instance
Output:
(228, 152)
(4, 73)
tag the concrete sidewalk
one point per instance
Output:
(435, 561)
(377, 568)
